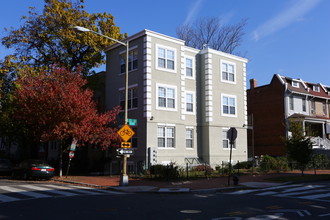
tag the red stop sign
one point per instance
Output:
(71, 154)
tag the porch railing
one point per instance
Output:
(321, 143)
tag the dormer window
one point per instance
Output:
(295, 84)
(316, 88)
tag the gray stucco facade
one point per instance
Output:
(184, 100)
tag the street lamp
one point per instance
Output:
(123, 177)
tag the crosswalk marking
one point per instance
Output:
(63, 193)
(300, 191)
(4, 198)
(303, 188)
(24, 192)
(318, 196)
(33, 191)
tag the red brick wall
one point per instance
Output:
(266, 103)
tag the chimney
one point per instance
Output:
(253, 83)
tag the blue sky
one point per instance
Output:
(289, 37)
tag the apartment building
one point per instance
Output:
(184, 100)
(271, 106)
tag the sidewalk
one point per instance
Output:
(192, 185)
(148, 185)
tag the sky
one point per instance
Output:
(286, 37)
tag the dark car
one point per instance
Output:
(5, 166)
(33, 169)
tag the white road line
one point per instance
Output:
(24, 192)
(64, 193)
(4, 198)
(303, 188)
(266, 193)
(315, 196)
(280, 187)
(98, 190)
(301, 193)
(244, 191)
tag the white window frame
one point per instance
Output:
(222, 105)
(166, 58)
(291, 103)
(295, 84)
(189, 138)
(157, 97)
(221, 71)
(165, 135)
(192, 67)
(193, 102)
(316, 88)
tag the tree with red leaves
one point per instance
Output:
(56, 106)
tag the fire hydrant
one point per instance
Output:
(235, 179)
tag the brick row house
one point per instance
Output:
(271, 106)
(184, 100)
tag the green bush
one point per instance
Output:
(243, 165)
(267, 164)
(165, 171)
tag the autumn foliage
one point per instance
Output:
(57, 107)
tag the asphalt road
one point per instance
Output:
(251, 205)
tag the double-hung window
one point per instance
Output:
(166, 97)
(189, 68)
(165, 58)
(225, 140)
(291, 104)
(189, 137)
(304, 104)
(228, 72)
(228, 105)
(166, 136)
(190, 102)
(132, 98)
(132, 61)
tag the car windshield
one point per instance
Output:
(38, 163)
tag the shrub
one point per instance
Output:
(243, 165)
(267, 164)
(165, 171)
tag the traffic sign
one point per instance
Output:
(126, 144)
(125, 151)
(71, 154)
(125, 132)
(232, 134)
(132, 122)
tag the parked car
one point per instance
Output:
(33, 169)
(5, 166)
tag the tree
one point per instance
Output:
(48, 38)
(209, 32)
(54, 105)
(58, 108)
(299, 146)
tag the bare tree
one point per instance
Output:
(211, 33)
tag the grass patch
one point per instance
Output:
(300, 178)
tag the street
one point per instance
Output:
(74, 202)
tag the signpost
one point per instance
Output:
(125, 133)
(231, 135)
(125, 151)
